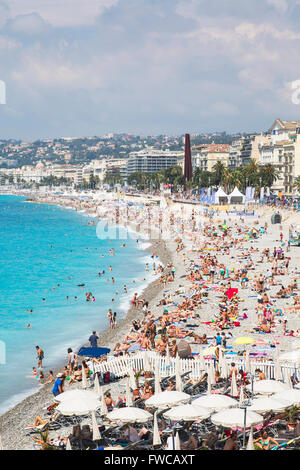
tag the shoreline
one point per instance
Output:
(31, 406)
(108, 338)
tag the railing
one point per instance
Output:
(120, 366)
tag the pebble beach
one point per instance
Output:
(194, 244)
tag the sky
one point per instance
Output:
(73, 68)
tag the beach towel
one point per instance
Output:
(230, 293)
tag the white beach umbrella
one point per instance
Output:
(129, 415)
(103, 402)
(96, 388)
(247, 362)
(177, 374)
(132, 380)
(268, 387)
(289, 396)
(233, 387)
(78, 407)
(84, 383)
(277, 368)
(265, 404)
(156, 436)
(250, 444)
(200, 358)
(96, 432)
(167, 398)
(208, 391)
(211, 373)
(234, 418)
(128, 393)
(77, 394)
(177, 441)
(224, 372)
(215, 402)
(147, 366)
(157, 378)
(187, 413)
(68, 445)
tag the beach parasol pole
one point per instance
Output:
(156, 436)
(96, 432)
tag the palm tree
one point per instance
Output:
(218, 170)
(269, 174)
(296, 184)
(227, 178)
(251, 171)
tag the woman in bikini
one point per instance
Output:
(264, 441)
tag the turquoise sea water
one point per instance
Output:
(45, 252)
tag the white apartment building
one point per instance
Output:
(283, 151)
(209, 155)
(152, 160)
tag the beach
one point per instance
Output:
(196, 242)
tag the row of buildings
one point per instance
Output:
(279, 146)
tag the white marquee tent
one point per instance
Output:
(221, 197)
(236, 197)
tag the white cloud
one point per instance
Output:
(62, 12)
(29, 24)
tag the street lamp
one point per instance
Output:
(246, 403)
(243, 406)
(172, 430)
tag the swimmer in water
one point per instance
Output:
(28, 325)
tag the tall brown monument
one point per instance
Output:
(188, 169)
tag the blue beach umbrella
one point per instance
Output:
(93, 352)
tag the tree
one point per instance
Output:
(218, 170)
(296, 184)
(269, 174)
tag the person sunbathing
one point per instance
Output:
(281, 294)
(264, 442)
(147, 391)
(265, 327)
(40, 421)
(76, 377)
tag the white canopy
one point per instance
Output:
(268, 386)
(263, 405)
(167, 398)
(288, 396)
(129, 415)
(234, 418)
(187, 413)
(215, 402)
(220, 194)
(236, 194)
